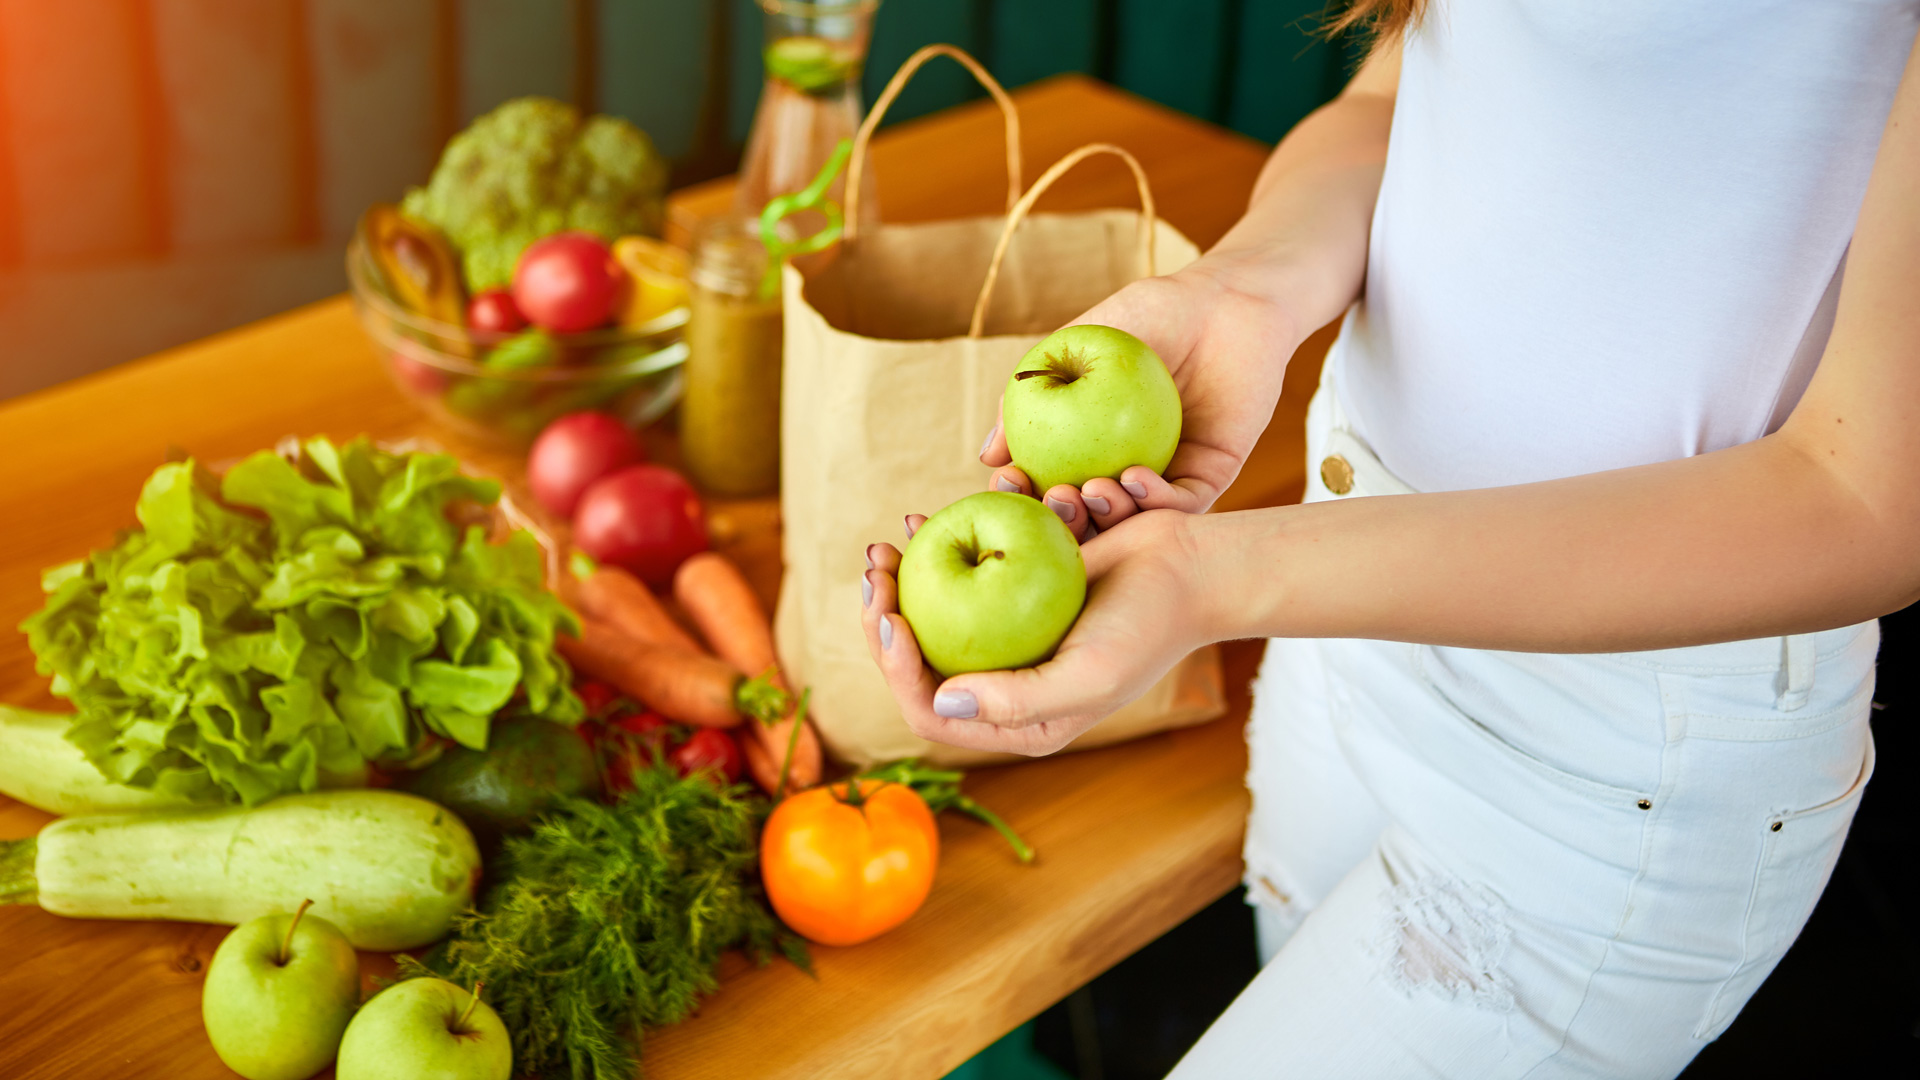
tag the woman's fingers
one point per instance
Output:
(1009, 478)
(1065, 501)
(994, 451)
(1107, 502)
(913, 523)
(1030, 711)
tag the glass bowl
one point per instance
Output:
(504, 388)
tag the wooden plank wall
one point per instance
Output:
(169, 168)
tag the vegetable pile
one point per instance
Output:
(610, 918)
(534, 167)
(297, 619)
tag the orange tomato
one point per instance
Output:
(844, 866)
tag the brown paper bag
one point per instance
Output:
(896, 353)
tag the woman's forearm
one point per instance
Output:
(1303, 241)
(1747, 542)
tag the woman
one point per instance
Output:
(1615, 461)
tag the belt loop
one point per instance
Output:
(1795, 681)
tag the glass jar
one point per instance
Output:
(730, 411)
(814, 55)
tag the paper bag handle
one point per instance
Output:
(1020, 209)
(858, 163)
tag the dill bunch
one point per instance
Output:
(609, 919)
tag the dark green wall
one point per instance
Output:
(1253, 65)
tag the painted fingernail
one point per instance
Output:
(866, 591)
(1061, 507)
(869, 554)
(908, 522)
(989, 442)
(1001, 483)
(1097, 504)
(956, 705)
(886, 634)
(1138, 491)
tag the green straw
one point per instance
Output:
(812, 197)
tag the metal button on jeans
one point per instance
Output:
(1337, 474)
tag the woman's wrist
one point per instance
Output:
(1237, 288)
(1244, 571)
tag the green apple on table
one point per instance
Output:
(993, 581)
(279, 993)
(1090, 401)
(425, 1029)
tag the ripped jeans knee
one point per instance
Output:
(1447, 937)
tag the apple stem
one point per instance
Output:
(460, 1025)
(286, 943)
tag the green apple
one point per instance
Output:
(1090, 401)
(279, 992)
(993, 581)
(425, 1029)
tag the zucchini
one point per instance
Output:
(390, 870)
(41, 768)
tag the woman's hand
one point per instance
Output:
(1227, 350)
(1140, 619)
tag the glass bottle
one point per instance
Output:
(814, 53)
(730, 414)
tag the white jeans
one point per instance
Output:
(1480, 864)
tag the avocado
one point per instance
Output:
(529, 765)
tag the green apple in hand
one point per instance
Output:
(425, 1029)
(1090, 401)
(993, 581)
(279, 992)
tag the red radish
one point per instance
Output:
(573, 452)
(568, 282)
(493, 311)
(597, 696)
(708, 750)
(646, 518)
(633, 742)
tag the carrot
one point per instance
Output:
(717, 597)
(689, 687)
(767, 748)
(620, 600)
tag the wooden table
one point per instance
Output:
(1134, 839)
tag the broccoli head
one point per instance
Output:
(533, 167)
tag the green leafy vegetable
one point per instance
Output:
(297, 618)
(609, 919)
(533, 167)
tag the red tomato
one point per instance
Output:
(493, 311)
(644, 518)
(709, 750)
(573, 452)
(568, 282)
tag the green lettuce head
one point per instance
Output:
(531, 168)
(297, 619)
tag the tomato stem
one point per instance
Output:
(940, 788)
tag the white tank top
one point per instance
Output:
(1611, 233)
